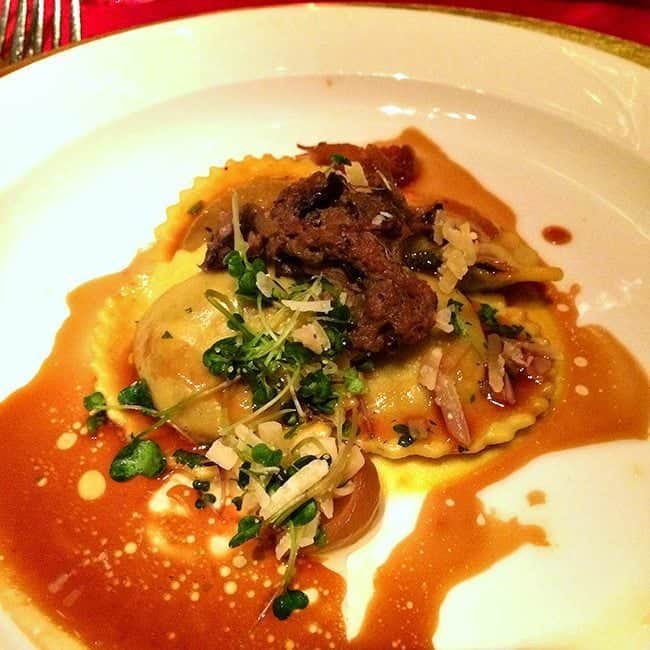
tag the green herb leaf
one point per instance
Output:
(95, 401)
(339, 159)
(488, 316)
(460, 327)
(305, 513)
(235, 264)
(247, 528)
(139, 457)
(136, 394)
(189, 458)
(266, 456)
(320, 538)
(236, 323)
(96, 421)
(221, 357)
(247, 285)
(288, 602)
(317, 391)
(338, 340)
(353, 381)
(243, 478)
(296, 353)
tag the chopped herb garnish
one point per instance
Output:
(166, 335)
(488, 316)
(194, 209)
(288, 602)
(136, 394)
(266, 456)
(247, 528)
(405, 438)
(460, 327)
(139, 457)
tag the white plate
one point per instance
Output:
(103, 137)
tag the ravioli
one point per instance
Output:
(175, 257)
(396, 397)
(160, 325)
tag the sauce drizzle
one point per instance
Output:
(557, 235)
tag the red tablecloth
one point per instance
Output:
(629, 20)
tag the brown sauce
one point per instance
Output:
(118, 576)
(557, 235)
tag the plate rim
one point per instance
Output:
(622, 48)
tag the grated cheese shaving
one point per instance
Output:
(320, 306)
(428, 375)
(312, 336)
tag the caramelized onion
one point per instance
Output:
(354, 514)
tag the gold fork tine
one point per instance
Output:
(56, 25)
(35, 42)
(75, 20)
(4, 19)
(18, 40)
(25, 44)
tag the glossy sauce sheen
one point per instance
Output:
(120, 576)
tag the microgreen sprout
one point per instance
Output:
(248, 528)
(140, 457)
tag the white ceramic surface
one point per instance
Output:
(103, 137)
